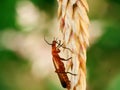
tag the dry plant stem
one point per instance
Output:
(74, 22)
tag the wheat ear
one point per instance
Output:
(74, 22)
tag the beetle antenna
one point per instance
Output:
(61, 45)
(47, 41)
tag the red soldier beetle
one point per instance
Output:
(59, 65)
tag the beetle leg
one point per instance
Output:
(71, 73)
(66, 73)
(65, 59)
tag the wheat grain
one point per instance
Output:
(74, 22)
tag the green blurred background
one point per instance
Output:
(25, 60)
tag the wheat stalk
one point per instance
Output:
(74, 22)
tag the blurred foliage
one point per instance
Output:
(110, 41)
(115, 83)
(47, 6)
(11, 65)
(103, 58)
(50, 85)
(112, 12)
(115, 1)
(7, 55)
(7, 14)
